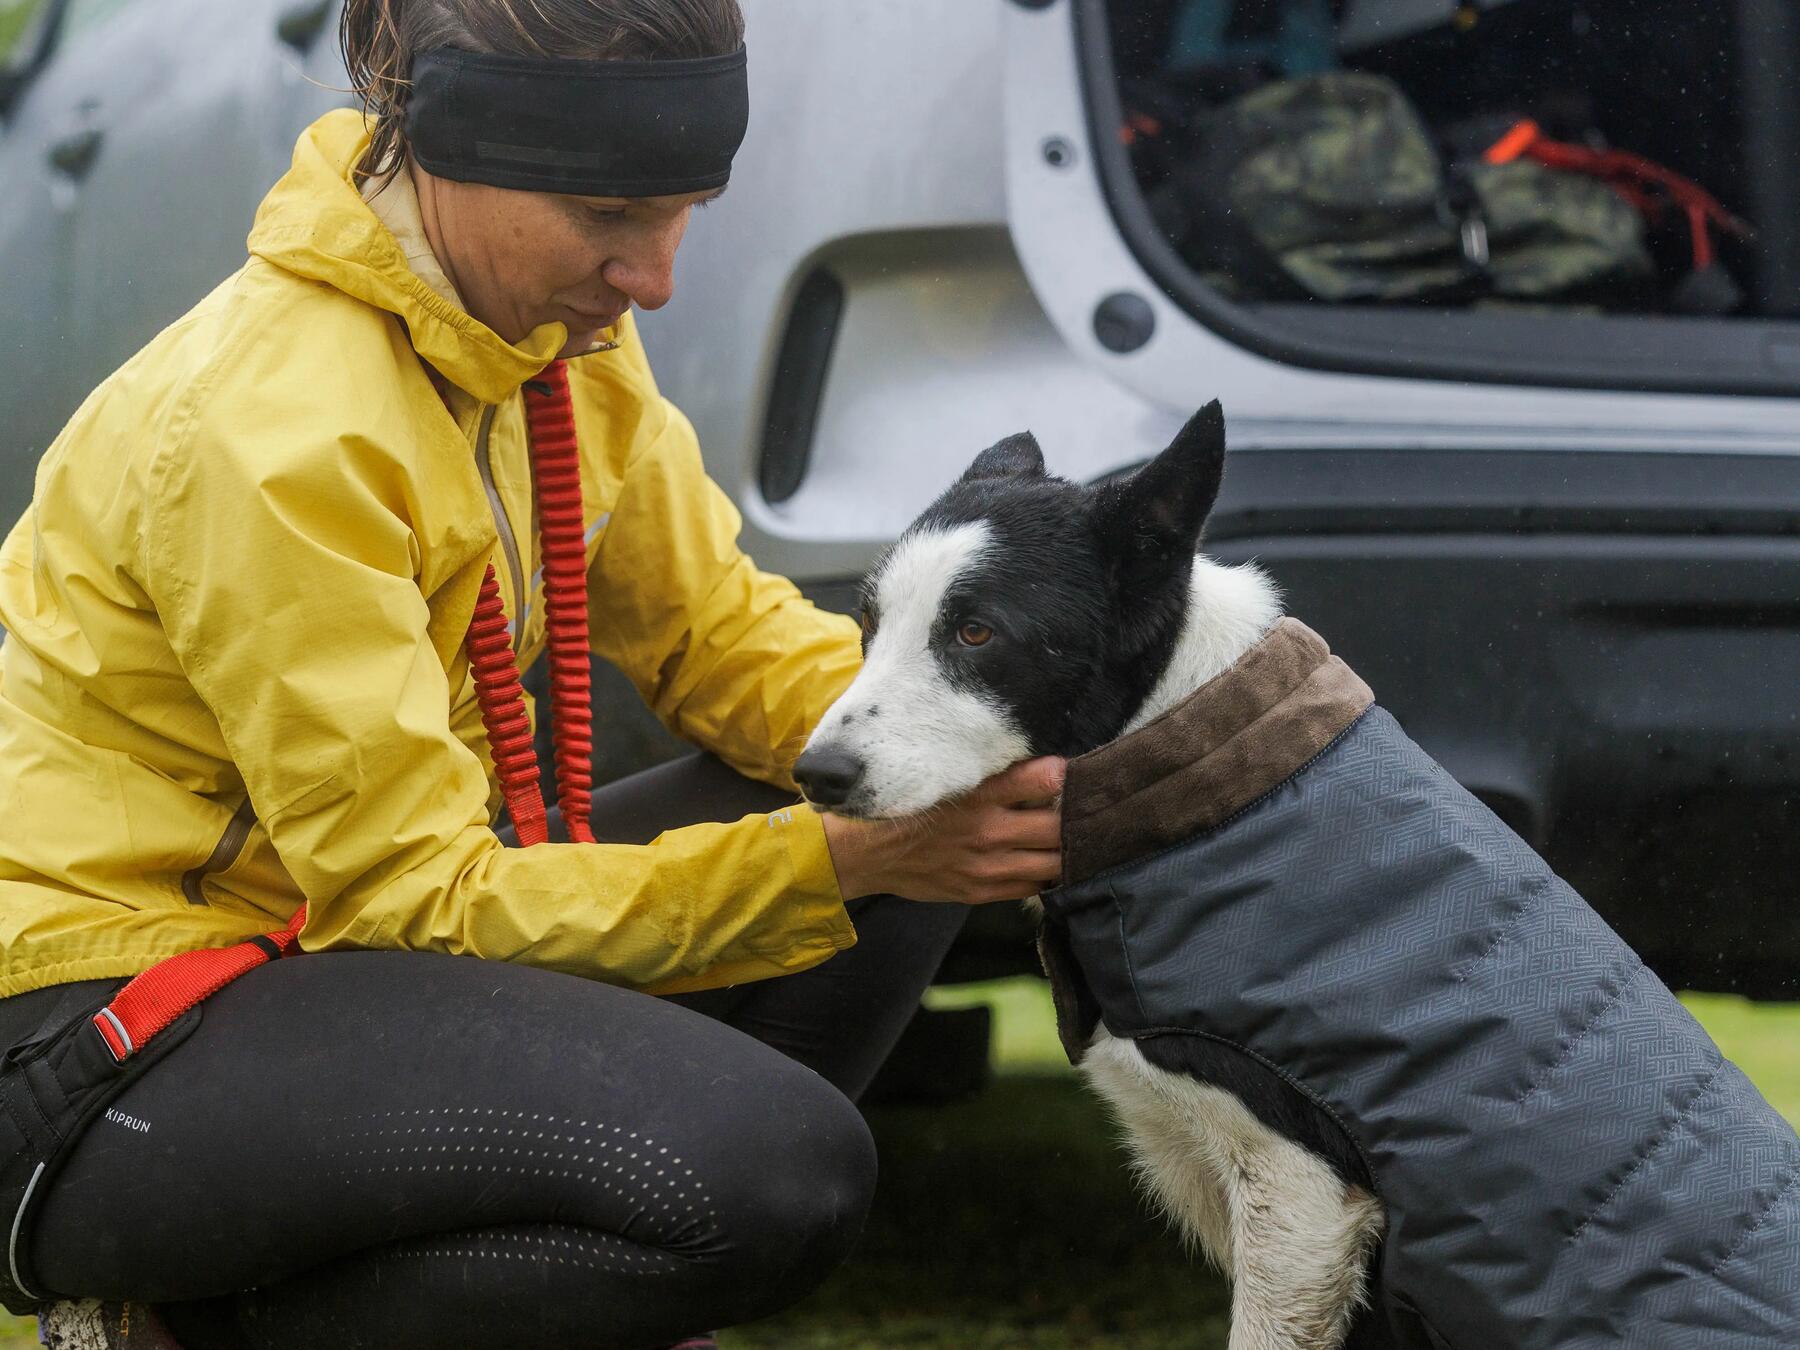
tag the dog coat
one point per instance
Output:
(1565, 1157)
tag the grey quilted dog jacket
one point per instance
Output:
(1565, 1157)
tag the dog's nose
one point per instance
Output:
(828, 775)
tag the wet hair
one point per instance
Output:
(380, 37)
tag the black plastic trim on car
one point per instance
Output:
(1664, 354)
(1771, 120)
(1326, 492)
(799, 384)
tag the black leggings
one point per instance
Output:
(397, 1149)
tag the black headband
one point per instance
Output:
(591, 128)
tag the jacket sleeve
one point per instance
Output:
(731, 658)
(287, 579)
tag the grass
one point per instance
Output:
(1008, 1221)
(1005, 1222)
(14, 15)
(1762, 1039)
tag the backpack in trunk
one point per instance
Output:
(1331, 188)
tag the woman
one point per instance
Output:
(238, 711)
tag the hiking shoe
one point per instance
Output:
(89, 1324)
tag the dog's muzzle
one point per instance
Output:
(828, 775)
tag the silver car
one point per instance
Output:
(1561, 539)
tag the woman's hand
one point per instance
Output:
(1003, 841)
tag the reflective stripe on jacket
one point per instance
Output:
(1566, 1158)
(235, 675)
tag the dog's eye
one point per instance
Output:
(974, 634)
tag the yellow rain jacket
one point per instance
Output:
(235, 676)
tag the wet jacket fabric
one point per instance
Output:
(235, 674)
(1565, 1157)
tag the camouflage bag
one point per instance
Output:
(1331, 188)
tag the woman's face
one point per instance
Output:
(522, 259)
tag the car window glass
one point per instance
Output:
(21, 29)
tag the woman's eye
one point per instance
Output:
(974, 634)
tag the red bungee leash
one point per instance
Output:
(556, 474)
(1634, 177)
(154, 999)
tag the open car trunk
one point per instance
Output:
(1677, 297)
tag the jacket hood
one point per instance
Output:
(315, 224)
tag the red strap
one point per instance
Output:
(502, 701)
(556, 476)
(169, 988)
(1515, 143)
(1633, 177)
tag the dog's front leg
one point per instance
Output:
(1301, 1243)
(1273, 1215)
(1177, 1152)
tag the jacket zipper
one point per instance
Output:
(224, 853)
(509, 543)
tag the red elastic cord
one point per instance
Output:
(1633, 177)
(556, 475)
(502, 703)
(163, 993)
(169, 988)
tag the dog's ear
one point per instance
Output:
(1157, 513)
(1015, 457)
(1149, 526)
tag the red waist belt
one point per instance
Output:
(169, 988)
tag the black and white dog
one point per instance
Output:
(1025, 615)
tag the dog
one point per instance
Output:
(1025, 615)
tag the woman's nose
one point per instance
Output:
(646, 273)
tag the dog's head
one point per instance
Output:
(1020, 615)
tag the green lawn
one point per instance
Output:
(1008, 1221)
(14, 15)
